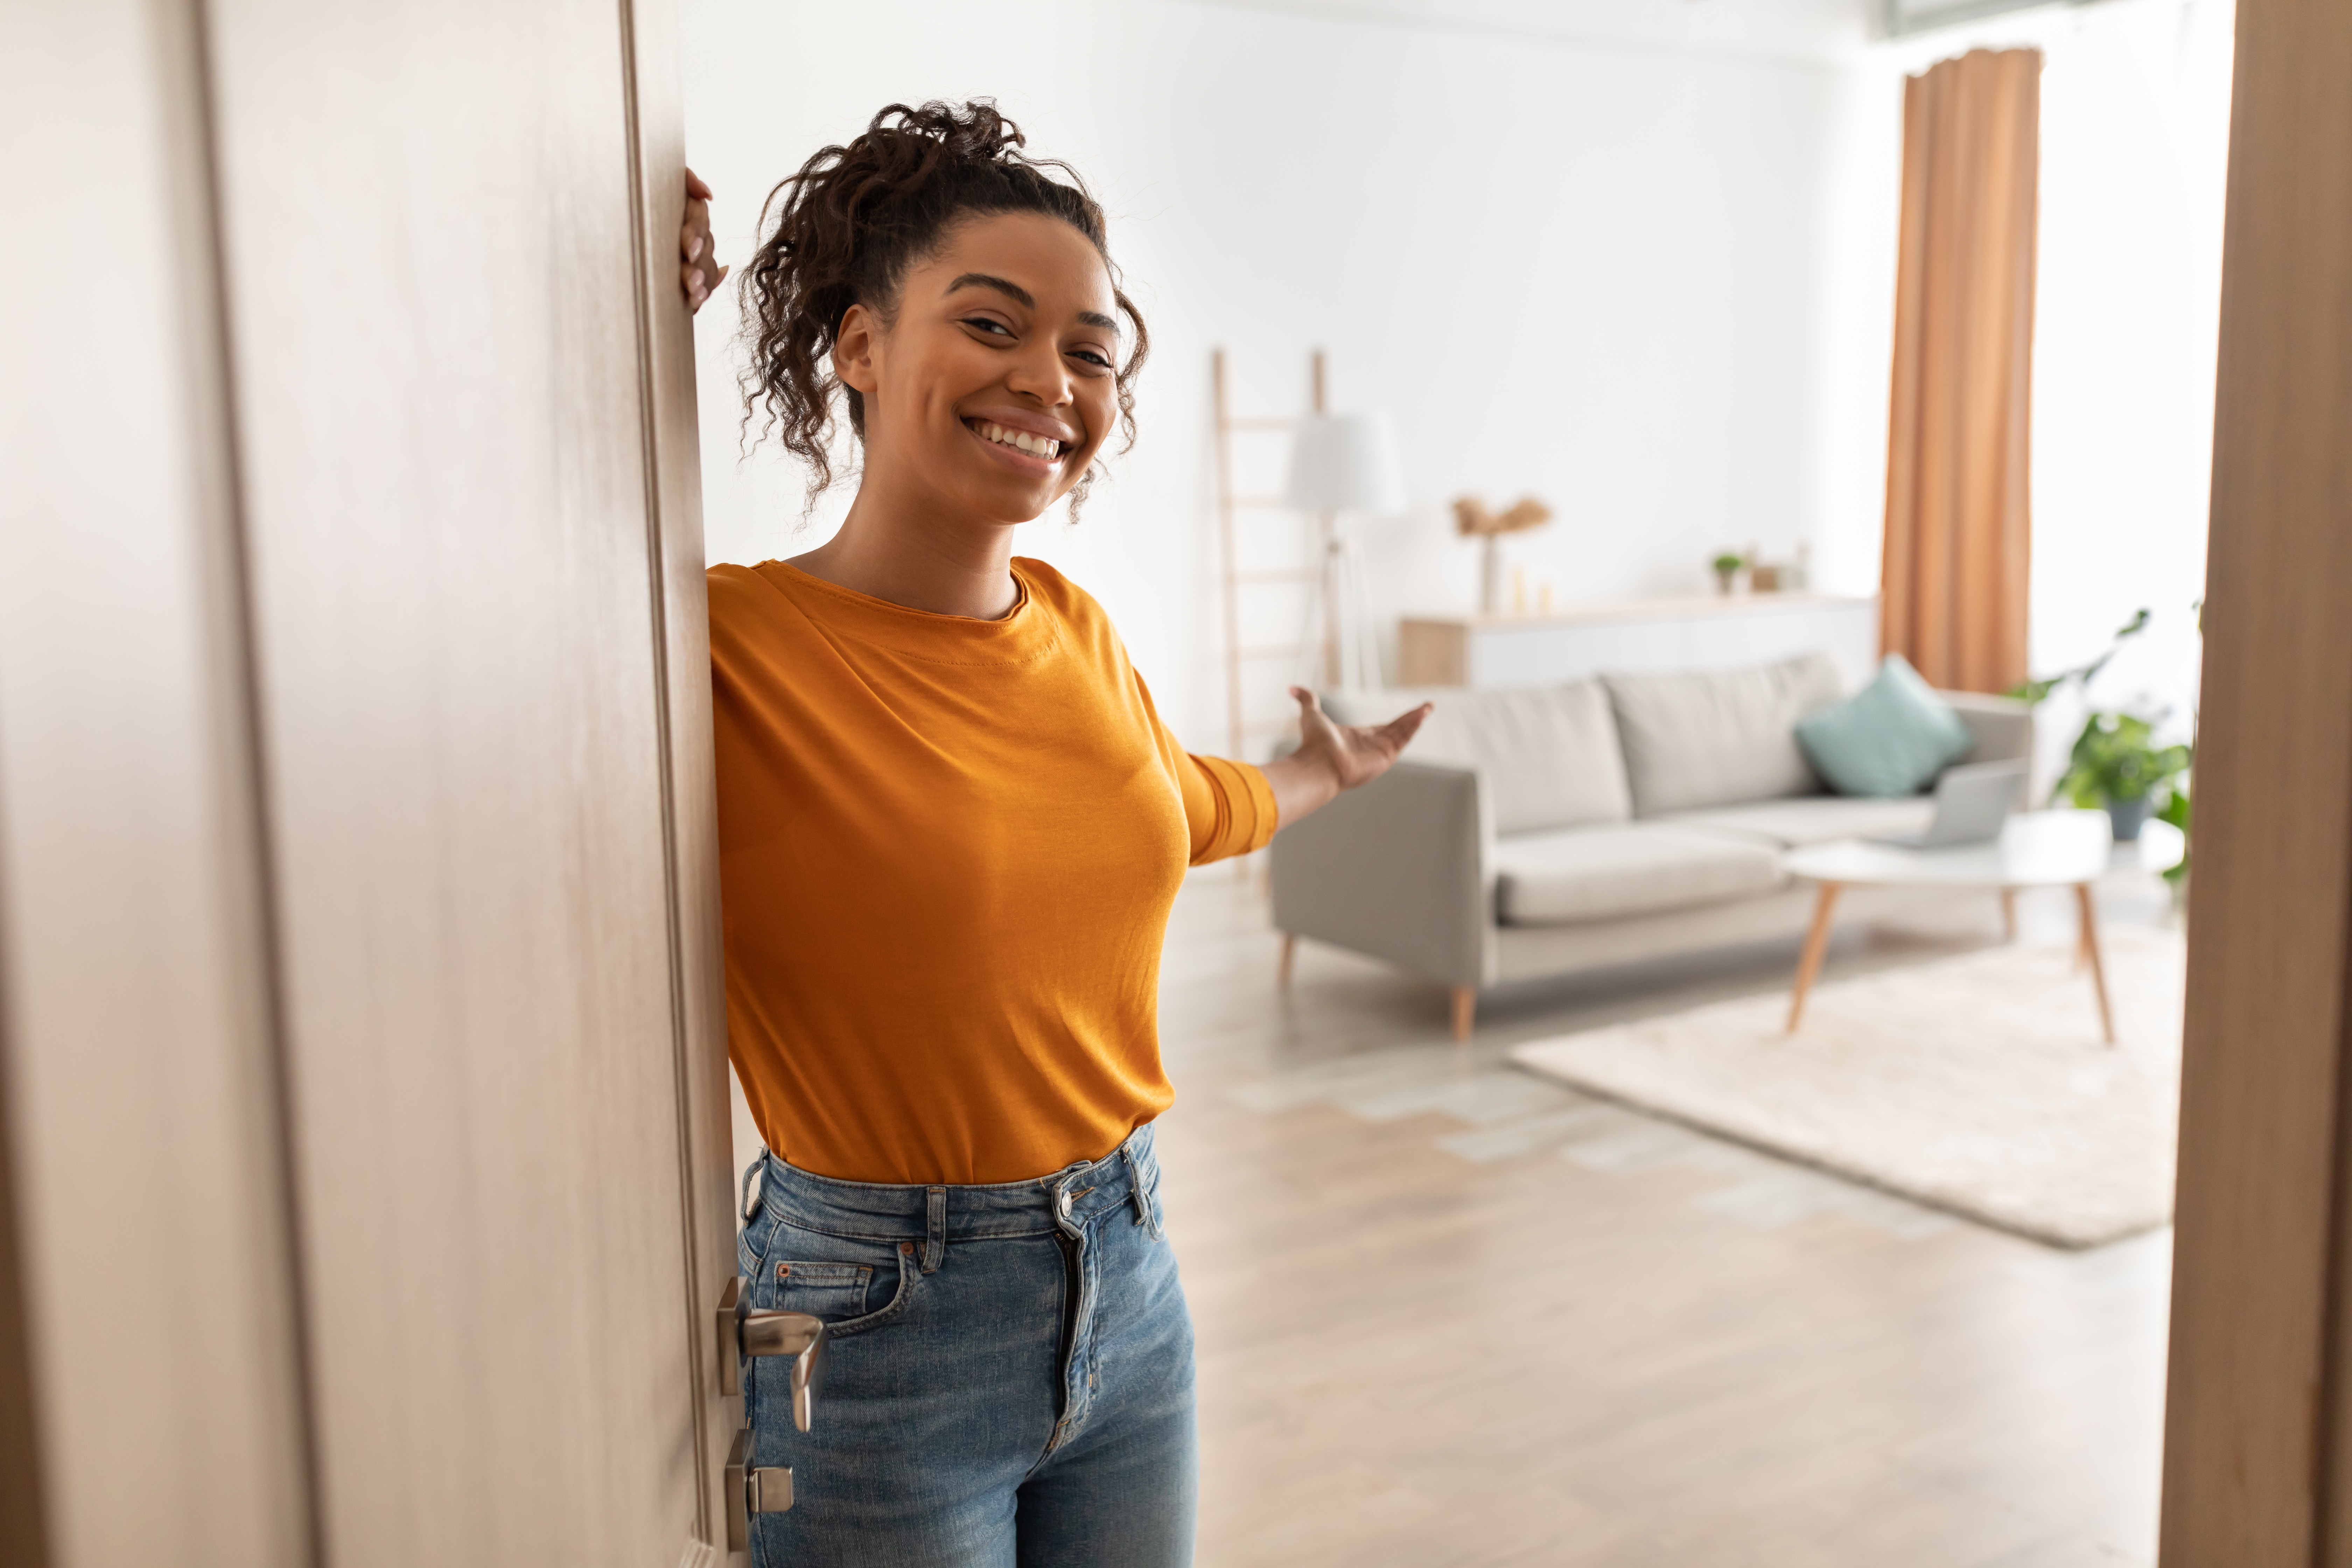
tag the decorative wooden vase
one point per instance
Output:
(1473, 521)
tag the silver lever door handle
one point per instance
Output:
(750, 1491)
(794, 1334)
(799, 1336)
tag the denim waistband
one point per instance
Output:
(1070, 1197)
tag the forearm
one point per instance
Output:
(1302, 783)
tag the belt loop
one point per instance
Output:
(1145, 1214)
(758, 1167)
(935, 1238)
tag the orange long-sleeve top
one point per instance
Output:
(948, 849)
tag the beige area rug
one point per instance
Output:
(1977, 1084)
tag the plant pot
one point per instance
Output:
(1726, 581)
(2127, 817)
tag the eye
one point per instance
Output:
(1092, 356)
(988, 324)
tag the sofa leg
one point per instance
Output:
(1465, 1012)
(1289, 957)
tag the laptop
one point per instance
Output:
(1971, 804)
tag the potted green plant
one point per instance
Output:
(2117, 763)
(1727, 570)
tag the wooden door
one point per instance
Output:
(355, 793)
(152, 1324)
(2258, 1443)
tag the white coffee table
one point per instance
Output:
(2036, 849)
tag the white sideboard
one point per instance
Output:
(1637, 636)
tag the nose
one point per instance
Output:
(1038, 372)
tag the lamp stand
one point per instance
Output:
(1342, 648)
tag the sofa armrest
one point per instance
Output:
(1400, 869)
(2004, 727)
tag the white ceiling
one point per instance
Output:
(1789, 29)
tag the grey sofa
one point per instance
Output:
(1544, 832)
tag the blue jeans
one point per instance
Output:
(1010, 1377)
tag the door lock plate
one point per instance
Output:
(752, 1489)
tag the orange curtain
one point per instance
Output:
(1958, 518)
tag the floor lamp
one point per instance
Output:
(1343, 463)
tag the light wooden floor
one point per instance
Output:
(1449, 1314)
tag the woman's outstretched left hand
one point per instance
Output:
(1332, 758)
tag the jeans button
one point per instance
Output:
(1062, 1202)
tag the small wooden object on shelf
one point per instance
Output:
(1473, 521)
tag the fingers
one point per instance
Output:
(700, 274)
(1397, 733)
(696, 274)
(1405, 725)
(699, 287)
(1306, 699)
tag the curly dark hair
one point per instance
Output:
(849, 225)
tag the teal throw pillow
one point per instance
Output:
(1891, 737)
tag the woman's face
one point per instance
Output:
(996, 384)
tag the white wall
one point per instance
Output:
(1655, 288)
(2135, 140)
(1589, 273)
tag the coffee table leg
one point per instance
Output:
(2090, 920)
(1817, 941)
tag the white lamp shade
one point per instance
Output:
(1346, 462)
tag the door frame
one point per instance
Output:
(652, 78)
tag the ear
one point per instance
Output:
(853, 350)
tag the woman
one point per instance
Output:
(951, 826)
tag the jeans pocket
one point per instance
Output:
(851, 1285)
(829, 1291)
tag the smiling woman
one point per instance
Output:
(950, 829)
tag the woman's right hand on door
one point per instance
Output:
(697, 273)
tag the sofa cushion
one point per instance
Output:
(1719, 736)
(1631, 868)
(1810, 819)
(1549, 753)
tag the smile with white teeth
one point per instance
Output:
(1044, 447)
